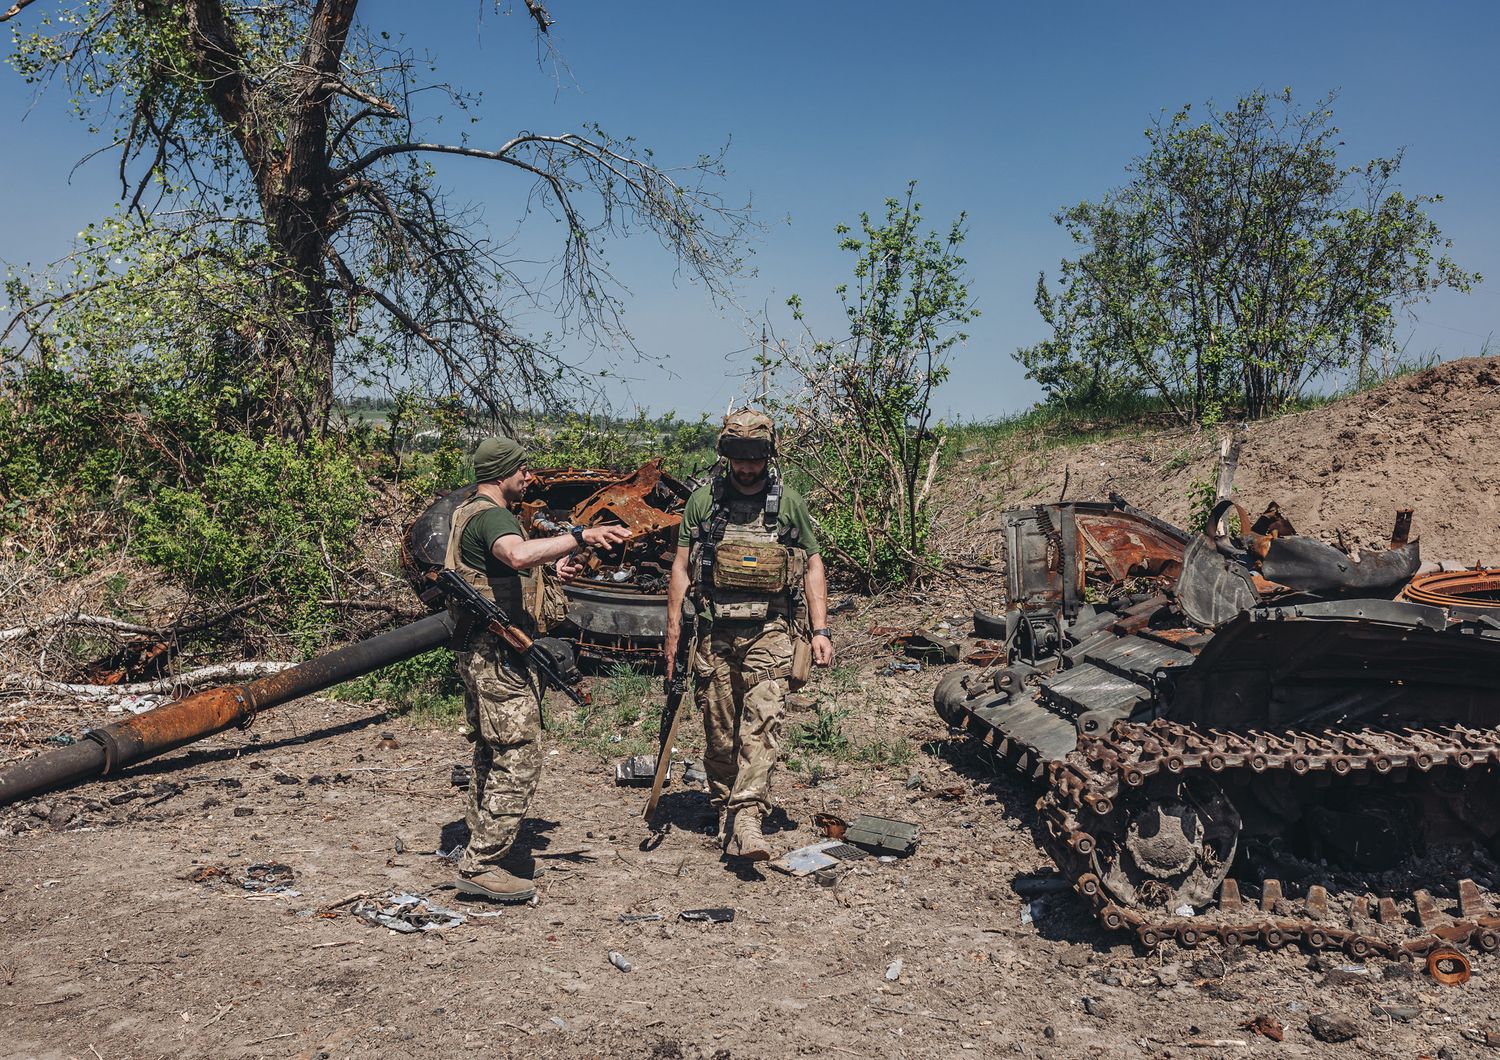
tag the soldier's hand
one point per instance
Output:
(569, 567)
(822, 649)
(605, 537)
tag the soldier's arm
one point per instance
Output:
(677, 589)
(815, 586)
(517, 553)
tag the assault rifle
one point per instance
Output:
(549, 656)
(671, 713)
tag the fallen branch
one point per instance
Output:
(217, 674)
(116, 625)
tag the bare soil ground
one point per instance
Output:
(128, 934)
(1429, 441)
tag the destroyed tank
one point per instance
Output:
(1250, 734)
(617, 610)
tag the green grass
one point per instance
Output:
(624, 717)
(425, 690)
(1052, 426)
(811, 742)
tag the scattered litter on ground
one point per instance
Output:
(639, 770)
(639, 918)
(135, 704)
(893, 970)
(269, 878)
(1448, 966)
(1266, 1026)
(895, 666)
(806, 860)
(405, 913)
(829, 825)
(620, 961)
(715, 915)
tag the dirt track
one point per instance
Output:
(112, 950)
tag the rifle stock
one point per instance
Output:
(671, 714)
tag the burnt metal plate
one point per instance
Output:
(881, 835)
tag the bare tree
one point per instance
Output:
(277, 146)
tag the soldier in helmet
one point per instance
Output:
(502, 697)
(748, 554)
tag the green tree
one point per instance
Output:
(282, 223)
(862, 428)
(1240, 263)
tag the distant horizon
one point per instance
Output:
(1007, 113)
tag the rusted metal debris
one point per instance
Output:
(141, 659)
(617, 611)
(1475, 590)
(1228, 722)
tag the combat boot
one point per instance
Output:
(497, 885)
(747, 842)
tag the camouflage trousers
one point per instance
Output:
(501, 700)
(740, 679)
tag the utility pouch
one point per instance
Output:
(740, 610)
(753, 567)
(543, 598)
(798, 626)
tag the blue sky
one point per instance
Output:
(1005, 111)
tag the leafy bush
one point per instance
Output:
(267, 516)
(862, 429)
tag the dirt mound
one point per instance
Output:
(1430, 442)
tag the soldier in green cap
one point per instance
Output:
(748, 554)
(489, 549)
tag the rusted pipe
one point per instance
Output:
(204, 713)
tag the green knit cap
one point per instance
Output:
(497, 458)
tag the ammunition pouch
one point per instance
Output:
(755, 567)
(736, 607)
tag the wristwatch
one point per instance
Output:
(824, 631)
(577, 532)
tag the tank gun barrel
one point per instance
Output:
(172, 725)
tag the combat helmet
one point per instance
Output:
(747, 435)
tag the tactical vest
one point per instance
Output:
(743, 563)
(506, 592)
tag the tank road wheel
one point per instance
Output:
(1175, 849)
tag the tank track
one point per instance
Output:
(1090, 796)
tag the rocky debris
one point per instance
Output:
(1266, 1026)
(1332, 1027)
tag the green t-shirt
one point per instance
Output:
(475, 548)
(793, 513)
